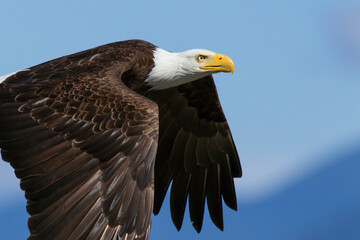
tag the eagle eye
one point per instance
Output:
(201, 58)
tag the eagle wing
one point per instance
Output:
(84, 146)
(196, 152)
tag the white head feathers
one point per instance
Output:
(173, 69)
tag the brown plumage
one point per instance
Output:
(90, 143)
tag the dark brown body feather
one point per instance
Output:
(82, 133)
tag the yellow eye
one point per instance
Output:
(200, 58)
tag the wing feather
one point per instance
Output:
(197, 197)
(213, 194)
(178, 196)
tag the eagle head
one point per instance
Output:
(172, 69)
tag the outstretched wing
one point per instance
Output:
(196, 152)
(83, 145)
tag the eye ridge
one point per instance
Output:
(201, 58)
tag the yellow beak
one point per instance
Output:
(218, 63)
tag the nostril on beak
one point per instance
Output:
(220, 58)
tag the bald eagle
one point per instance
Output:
(97, 137)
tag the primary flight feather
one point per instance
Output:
(97, 137)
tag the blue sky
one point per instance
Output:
(291, 103)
